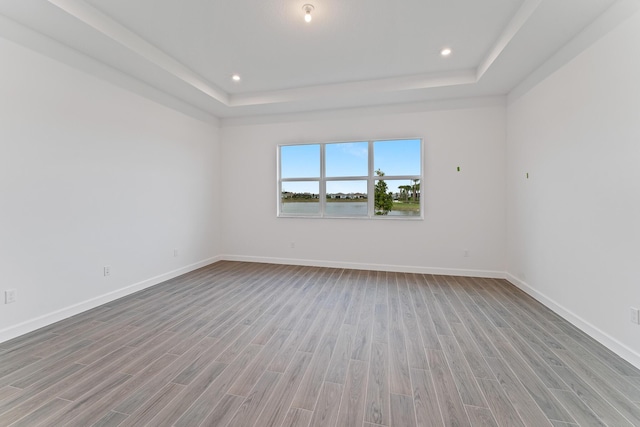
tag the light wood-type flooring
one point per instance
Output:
(241, 344)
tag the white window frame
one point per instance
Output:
(371, 179)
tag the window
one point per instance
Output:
(361, 179)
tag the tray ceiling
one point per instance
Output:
(353, 53)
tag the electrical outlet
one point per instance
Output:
(635, 315)
(175, 252)
(466, 253)
(9, 296)
(292, 245)
(107, 270)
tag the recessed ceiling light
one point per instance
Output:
(445, 51)
(235, 78)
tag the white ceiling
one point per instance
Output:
(353, 53)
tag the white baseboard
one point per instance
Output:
(603, 338)
(50, 318)
(365, 266)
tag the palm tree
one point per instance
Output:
(416, 189)
(404, 191)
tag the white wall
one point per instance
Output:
(574, 225)
(93, 175)
(464, 210)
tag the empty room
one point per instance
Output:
(319, 213)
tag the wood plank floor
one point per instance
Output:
(241, 344)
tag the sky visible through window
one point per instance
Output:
(397, 157)
(300, 161)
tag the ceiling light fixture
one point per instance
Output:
(445, 52)
(308, 8)
(235, 78)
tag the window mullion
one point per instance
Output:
(299, 179)
(401, 177)
(346, 178)
(279, 189)
(370, 182)
(323, 181)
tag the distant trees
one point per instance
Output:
(404, 192)
(383, 199)
(410, 192)
(297, 196)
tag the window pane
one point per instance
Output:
(396, 197)
(347, 159)
(300, 198)
(346, 198)
(300, 161)
(401, 157)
